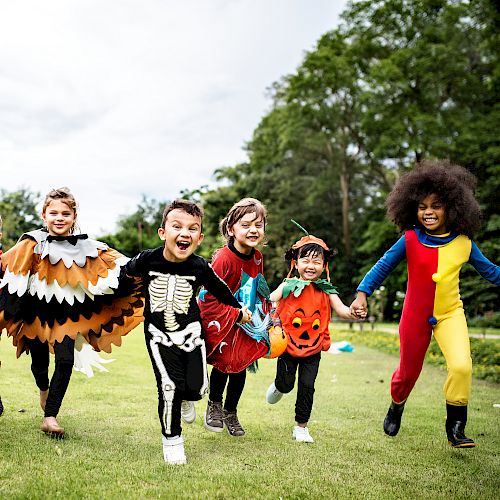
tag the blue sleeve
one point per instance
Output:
(483, 266)
(377, 274)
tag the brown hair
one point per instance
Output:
(238, 211)
(66, 196)
(187, 206)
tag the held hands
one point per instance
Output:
(359, 306)
(246, 315)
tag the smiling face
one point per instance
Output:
(59, 218)
(431, 214)
(310, 266)
(182, 235)
(247, 232)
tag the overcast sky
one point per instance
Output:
(116, 99)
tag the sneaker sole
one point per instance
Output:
(466, 445)
(188, 420)
(210, 428)
(236, 435)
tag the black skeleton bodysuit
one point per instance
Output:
(172, 328)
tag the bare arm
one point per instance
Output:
(341, 310)
(277, 295)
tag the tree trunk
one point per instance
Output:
(344, 190)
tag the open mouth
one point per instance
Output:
(183, 245)
(430, 220)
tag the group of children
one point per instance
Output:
(58, 285)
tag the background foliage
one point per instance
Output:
(398, 81)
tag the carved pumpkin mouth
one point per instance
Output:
(304, 346)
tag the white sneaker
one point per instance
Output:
(188, 412)
(301, 435)
(273, 395)
(173, 450)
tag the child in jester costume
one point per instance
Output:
(434, 205)
(304, 306)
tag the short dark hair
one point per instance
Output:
(452, 184)
(187, 206)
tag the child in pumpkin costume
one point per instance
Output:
(304, 306)
(434, 205)
(56, 286)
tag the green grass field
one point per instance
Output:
(113, 445)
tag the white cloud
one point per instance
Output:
(116, 99)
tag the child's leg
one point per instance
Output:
(452, 336)
(286, 369)
(308, 371)
(64, 359)
(233, 394)
(196, 378)
(167, 366)
(39, 362)
(234, 391)
(414, 339)
(218, 381)
(453, 339)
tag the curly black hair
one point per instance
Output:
(310, 249)
(452, 184)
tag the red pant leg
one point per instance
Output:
(414, 339)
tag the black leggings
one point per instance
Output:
(285, 380)
(218, 381)
(64, 359)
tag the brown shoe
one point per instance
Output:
(233, 424)
(50, 426)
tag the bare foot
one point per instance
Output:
(51, 426)
(43, 398)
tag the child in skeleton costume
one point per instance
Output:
(56, 286)
(171, 276)
(231, 348)
(434, 205)
(304, 307)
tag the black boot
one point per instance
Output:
(455, 427)
(1, 406)
(392, 420)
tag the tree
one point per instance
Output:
(19, 213)
(138, 230)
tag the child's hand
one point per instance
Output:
(359, 306)
(359, 313)
(246, 315)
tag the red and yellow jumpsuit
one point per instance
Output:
(432, 306)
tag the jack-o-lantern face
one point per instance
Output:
(305, 319)
(305, 331)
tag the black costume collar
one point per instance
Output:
(243, 256)
(72, 239)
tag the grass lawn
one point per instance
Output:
(113, 445)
